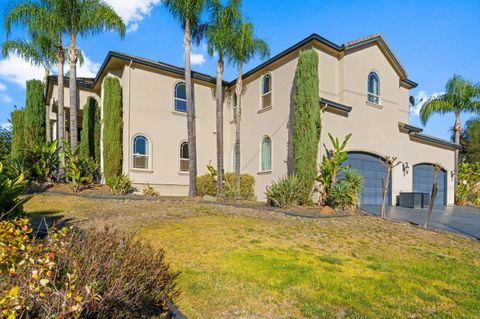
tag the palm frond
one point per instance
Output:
(96, 16)
(440, 104)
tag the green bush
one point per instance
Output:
(81, 274)
(18, 133)
(286, 191)
(112, 128)
(207, 185)
(79, 171)
(11, 204)
(345, 193)
(468, 190)
(120, 185)
(90, 137)
(44, 159)
(16, 167)
(306, 123)
(5, 144)
(34, 112)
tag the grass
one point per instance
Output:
(250, 263)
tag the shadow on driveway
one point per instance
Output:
(456, 219)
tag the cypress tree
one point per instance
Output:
(90, 137)
(112, 128)
(34, 114)
(18, 133)
(306, 126)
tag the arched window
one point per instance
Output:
(266, 155)
(266, 91)
(180, 99)
(373, 88)
(184, 157)
(141, 152)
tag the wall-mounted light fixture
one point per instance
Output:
(405, 167)
(452, 174)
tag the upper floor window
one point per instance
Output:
(140, 152)
(266, 91)
(266, 155)
(373, 88)
(180, 98)
(184, 157)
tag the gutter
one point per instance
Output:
(416, 132)
(337, 106)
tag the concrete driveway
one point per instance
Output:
(457, 219)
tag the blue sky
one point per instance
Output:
(432, 39)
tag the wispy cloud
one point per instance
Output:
(197, 58)
(5, 98)
(17, 70)
(421, 98)
(88, 69)
(3, 87)
(133, 11)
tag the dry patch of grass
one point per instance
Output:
(251, 263)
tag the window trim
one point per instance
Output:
(148, 155)
(262, 108)
(175, 97)
(378, 89)
(260, 169)
(180, 157)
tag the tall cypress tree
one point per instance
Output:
(34, 114)
(18, 133)
(90, 138)
(112, 128)
(306, 122)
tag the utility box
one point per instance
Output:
(411, 200)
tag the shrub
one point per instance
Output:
(468, 190)
(45, 160)
(306, 124)
(120, 185)
(18, 133)
(207, 185)
(11, 205)
(34, 112)
(112, 128)
(16, 167)
(286, 191)
(345, 193)
(148, 190)
(81, 274)
(79, 171)
(5, 143)
(90, 137)
(247, 185)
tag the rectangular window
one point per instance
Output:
(267, 100)
(373, 98)
(140, 161)
(183, 165)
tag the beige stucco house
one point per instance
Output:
(364, 90)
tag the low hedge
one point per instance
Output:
(207, 185)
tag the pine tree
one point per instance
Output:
(18, 136)
(90, 138)
(112, 128)
(306, 126)
(34, 114)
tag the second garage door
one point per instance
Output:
(423, 182)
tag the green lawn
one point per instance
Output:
(245, 263)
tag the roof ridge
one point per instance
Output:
(364, 38)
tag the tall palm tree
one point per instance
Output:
(460, 96)
(39, 51)
(220, 41)
(188, 13)
(246, 46)
(84, 18)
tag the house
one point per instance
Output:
(364, 90)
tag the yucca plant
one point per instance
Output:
(45, 160)
(345, 193)
(11, 204)
(78, 171)
(286, 191)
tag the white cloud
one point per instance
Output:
(88, 69)
(6, 126)
(421, 98)
(133, 11)
(17, 70)
(4, 98)
(197, 58)
(3, 87)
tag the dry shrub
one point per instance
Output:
(82, 274)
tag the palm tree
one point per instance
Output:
(188, 13)
(220, 41)
(245, 47)
(40, 51)
(460, 96)
(84, 18)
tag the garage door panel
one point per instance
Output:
(423, 182)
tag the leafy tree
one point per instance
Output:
(34, 113)
(188, 13)
(306, 124)
(18, 133)
(460, 96)
(84, 17)
(220, 42)
(245, 47)
(470, 140)
(89, 146)
(5, 143)
(112, 128)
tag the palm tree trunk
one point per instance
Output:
(192, 147)
(72, 60)
(60, 107)
(456, 129)
(219, 101)
(238, 92)
(48, 132)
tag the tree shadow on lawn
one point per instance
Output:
(43, 221)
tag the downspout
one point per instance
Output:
(128, 126)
